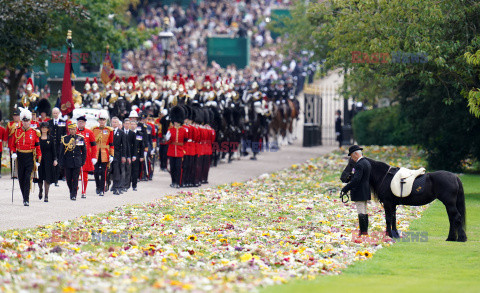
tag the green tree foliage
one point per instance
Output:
(29, 28)
(361, 37)
(299, 32)
(382, 126)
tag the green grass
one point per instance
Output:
(433, 266)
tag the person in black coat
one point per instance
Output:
(46, 171)
(119, 155)
(58, 128)
(130, 137)
(73, 154)
(136, 149)
(338, 128)
(360, 186)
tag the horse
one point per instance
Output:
(278, 126)
(442, 185)
(292, 119)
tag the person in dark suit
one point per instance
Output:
(119, 155)
(338, 128)
(136, 149)
(58, 128)
(73, 154)
(130, 137)
(360, 186)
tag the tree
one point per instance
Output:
(25, 26)
(386, 46)
(30, 28)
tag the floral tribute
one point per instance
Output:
(240, 236)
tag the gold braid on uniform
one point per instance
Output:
(70, 145)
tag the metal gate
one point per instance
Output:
(312, 126)
(321, 104)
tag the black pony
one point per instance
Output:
(441, 185)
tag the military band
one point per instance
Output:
(184, 127)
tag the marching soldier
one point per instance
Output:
(176, 137)
(73, 154)
(91, 146)
(25, 149)
(104, 140)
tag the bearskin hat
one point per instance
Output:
(207, 117)
(177, 114)
(44, 106)
(198, 115)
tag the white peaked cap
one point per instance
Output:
(25, 113)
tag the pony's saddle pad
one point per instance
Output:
(402, 181)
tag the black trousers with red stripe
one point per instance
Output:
(25, 168)
(176, 169)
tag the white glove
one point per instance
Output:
(145, 154)
(94, 161)
(14, 156)
(38, 164)
(110, 159)
(152, 152)
(5, 149)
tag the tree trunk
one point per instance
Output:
(13, 83)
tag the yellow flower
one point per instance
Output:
(246, 257)
(187, 287)
(168, 217)
(192, 237)
(68, 289)
(114, 254)
(367, 254)
(359, 253)
(83, 267)
(15, 233)
(223, 240)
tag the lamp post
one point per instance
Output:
(165, 39)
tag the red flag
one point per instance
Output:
(108, 72)
(66, 103)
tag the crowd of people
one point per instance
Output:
(192, 26)
(193, 119)
(167, 120)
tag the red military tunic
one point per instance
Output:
(210, 137)
(104, 140)
(176, 142)
(190, 144)
(26, 141)
(91, 145)
(11, 127)
(3, 137)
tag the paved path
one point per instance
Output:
(61, 208)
